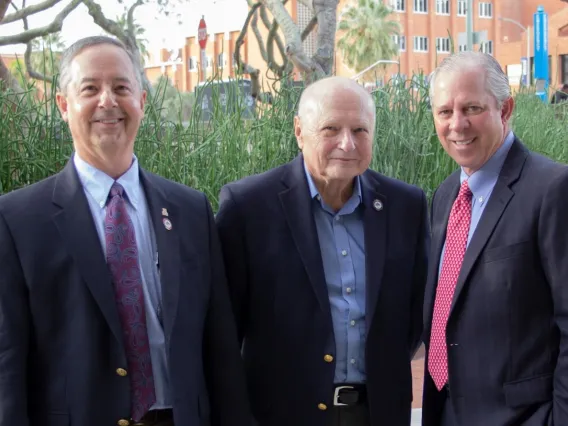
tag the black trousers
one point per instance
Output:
(355, 415)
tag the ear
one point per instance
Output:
(507, 110)
(62, 104)
(298, 132)
(143, 101)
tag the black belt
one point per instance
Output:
(349, 395)
(154, 416)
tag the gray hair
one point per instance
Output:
(72, 51)
(496, 82)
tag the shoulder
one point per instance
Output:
(34, 196)
(174, 191)
(392, 187)
(252, 186)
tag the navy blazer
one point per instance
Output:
(507, 333)
(60, 334)
(279, 294)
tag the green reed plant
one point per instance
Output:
(35, 142)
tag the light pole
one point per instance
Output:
(528, 32)
(380, 61)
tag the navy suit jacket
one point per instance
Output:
(507, 333)
(280, 299)
(60, 334)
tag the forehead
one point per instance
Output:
(460, 87)
(102, 61)
(345, 103)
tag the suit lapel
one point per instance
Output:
(375, 226)
(162, 209)
(297, 204)
(499, 200)
(75, 224)
(445, 200)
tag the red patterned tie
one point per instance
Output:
(456, 243)
(122, 259)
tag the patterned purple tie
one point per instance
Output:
(122, 259)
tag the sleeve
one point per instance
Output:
(14, 333)
(232, 235)
(420, 276)
(224, 369)
(553, 247)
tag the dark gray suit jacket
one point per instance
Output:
(60, 334)
(507, 333)
(280, 299)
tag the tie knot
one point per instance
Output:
(116, 189)
(465, 192)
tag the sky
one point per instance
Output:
(161, 31)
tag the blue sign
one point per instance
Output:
(541, 71)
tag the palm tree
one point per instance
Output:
(139, 34)
(368, 32)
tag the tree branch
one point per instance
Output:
(269, 26)
(28, 55)
(258, 35)
(28, 11)
(241, 65)
(309, 28)
(130, 19)
(53, 27)
(4, 4)
(308, 3)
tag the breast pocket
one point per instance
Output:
(509, 251)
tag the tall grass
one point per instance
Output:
(35, 143)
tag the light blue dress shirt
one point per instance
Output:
(481, 184)
(342, 244)
(96, 185)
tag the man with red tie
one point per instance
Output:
(113, 301)
(496, 302)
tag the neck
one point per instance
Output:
(335, 193)
(112, 164)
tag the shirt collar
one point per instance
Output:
(481, 182)
(314, 193)
(98, 183)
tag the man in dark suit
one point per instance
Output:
(113, 312)
(496, 303)
(326, 264)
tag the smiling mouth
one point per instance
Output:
(111, 121)
(464, 142)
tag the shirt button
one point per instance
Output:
(481, 200)
(353, 323)
(338, 218)
(322, 407)
(348, 290)
(344, 252)
(352, 361)
(102, 204)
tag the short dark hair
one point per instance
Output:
(72, 51)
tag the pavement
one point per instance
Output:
(417, 381)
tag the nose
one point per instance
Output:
(107, 99)
(458, 122)
(347, 142)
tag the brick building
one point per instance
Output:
(427, 26)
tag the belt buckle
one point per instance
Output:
(336, 395)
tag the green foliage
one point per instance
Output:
(367, 34)
(35, 143)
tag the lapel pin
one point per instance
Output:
(377, 205)
(165, 212)
(167, 224)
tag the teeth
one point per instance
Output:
(464, 142)
(109, 121)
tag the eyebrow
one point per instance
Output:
(94, 80)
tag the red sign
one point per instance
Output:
(202, 33)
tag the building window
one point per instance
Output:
(487, 47)
(564, 68)
(462, 8)
(462, 47)
(420, 44)
(442, 45)
(399, 78)
(192, 64)
(400, 42)
(221, 60)
(443, 7)
(485, 10)
(421, 6)
(397, 5)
